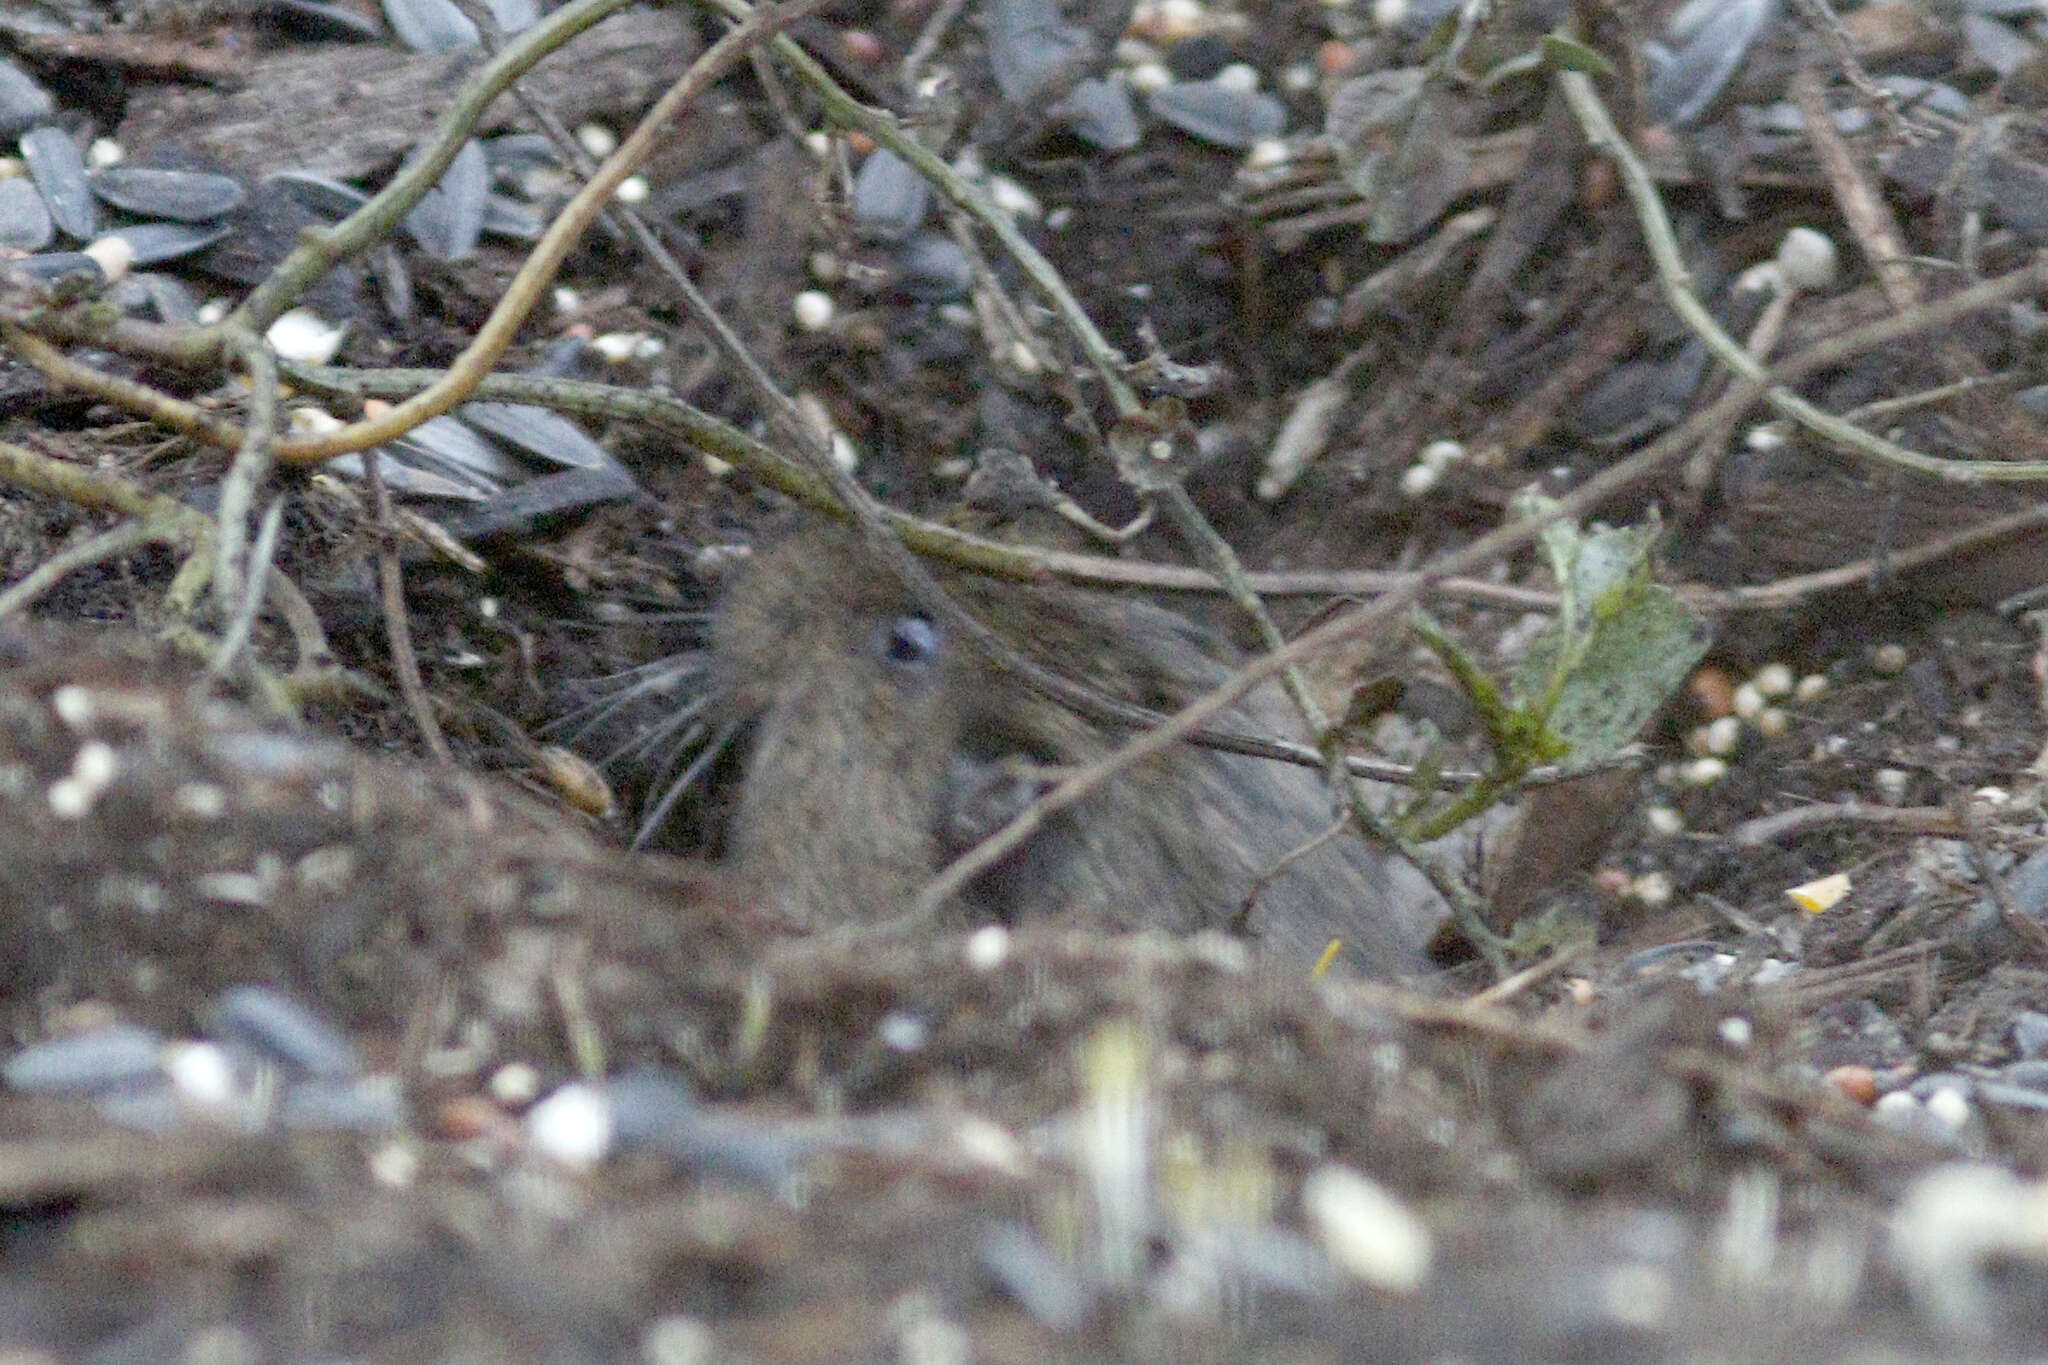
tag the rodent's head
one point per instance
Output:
(857, 702)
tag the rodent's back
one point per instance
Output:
(881, 746)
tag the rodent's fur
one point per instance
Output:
(879, 747)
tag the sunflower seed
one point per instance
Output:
(538, 432)
(182, 196)
(509, 218)
(86, 1063)
(430, 26)
(154, 243)
(282, 1029)
(448, 219)
(163, 295)
(23, 102)
(324, 196)
(401, 477)
(1221, 114)
(446, 445)
(59, 172)
(24, 218)
(1710, 40)
(55, 265)
(1101, 113)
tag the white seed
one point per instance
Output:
(1664, 821)
(1723, 736)
(201, 1072)
(1704, 772)
(1888, 660)
(987, 947)
(1148, 78)
(1385, 13)
(1809, 259)
(1891, 785)
(113, 254)
(1991, 796)
(1268, 152)
(212, 311)
(813, 309)
(1438, 454)
(312, 422)
(1013, 199)
(1950, 1107)
(1418, 479)
(94, 764)
(1653, 889)
(573, 1126)
(1367, 1231)
(1773, 680)
(634, 189)
(515, 1083)
(1747, 701)
(1737, 1032)
(1812, 687)
(105, 152)
(597, 139)
(395, 1165)
(304, 336)
(1772, 723)
(1239, 77)
(566, 300)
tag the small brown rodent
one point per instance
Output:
(880, 748)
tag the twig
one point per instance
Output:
(397, 629)
(1785, 591)
(243, 622)
(1800, 820)
(109, 544)
(251, 465)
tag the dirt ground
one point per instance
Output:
(1767, 1078)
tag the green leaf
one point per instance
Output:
(1621, 645)
(1569, 54)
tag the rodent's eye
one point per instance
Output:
(910, 640)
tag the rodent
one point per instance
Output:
(880, 748)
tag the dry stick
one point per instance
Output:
(110, 544)
(256, 584)
(1677, 284)
(1869, 217)
(251, 464)
(1765, 829)
(397, 627)
(1785, 591)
